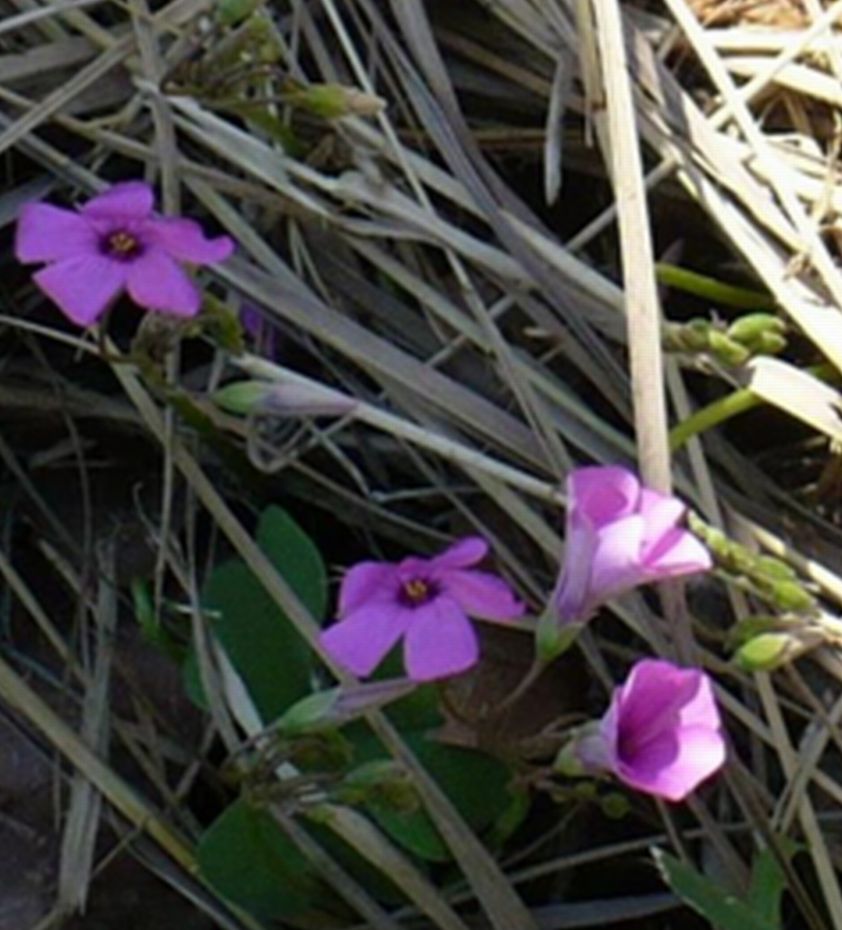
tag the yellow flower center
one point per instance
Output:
(122, 244)
(417, 591)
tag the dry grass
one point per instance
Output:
(487, 353)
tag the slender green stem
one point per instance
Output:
(691, 282)
(712, 415)
(738, 401)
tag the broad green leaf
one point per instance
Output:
(721, 908)
(264, 647)
(476, 784)
(248, 859)
(295, 556)
(768, 881)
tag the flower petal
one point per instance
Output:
(678, 552)
(572, 598)
(661, 513)
(129, 200)
(46, 234)
(603, 493)
(367, 581)
(701, 710)
(185, 240)
(676, 763)
(652, 700)
(482, 594)
(440, 641)
(364, 637)
(617, 564)
(82, 286)
(462, 553)
(156, 282)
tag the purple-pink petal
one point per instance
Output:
(675, 763)
(678, 552)
(46, 234)
(185, 240)
(661, 514)
(573, 599)
(367, 581)
(463, 553)
(652, 699)
(156, 282)
(128, 200)
(83, 286)
(481, 594)
(663, 729)
(603, 493)
(362, 639)
(440, 641)
(617, 565)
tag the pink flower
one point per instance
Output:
(423, 601)
(619, 535)
(111, 244)
(662, 733)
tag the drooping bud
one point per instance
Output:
(282, 399)
(770, 651)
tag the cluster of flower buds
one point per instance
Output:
(733, 345)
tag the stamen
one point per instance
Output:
(121, 245)
(417, 591)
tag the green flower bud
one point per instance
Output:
(241, 397)
(614, 805)
(332, 101)
(310, 714)
(754, 327)
(791, 595)
(553, 638)
(727, 351)
(567, 761)
(231, 12)
(772, 650)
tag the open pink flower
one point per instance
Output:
(619, 535)
(113, 243)
(662, 733)
(423, 601)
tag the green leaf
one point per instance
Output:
(476, 784)
(722, 909)
(248, 859)
(768, 881)
(296, 558)
(264, 647)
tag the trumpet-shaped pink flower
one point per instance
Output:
(113, 243)
(619, 535)
(425, 602)
(662, 733)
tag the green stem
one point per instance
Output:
(691, 282)
(729, 406)
(712, 415)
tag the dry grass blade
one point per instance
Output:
(797, 392)
(83, 813)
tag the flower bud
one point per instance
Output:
(728, 351)
(769, 651)
(754, 329)
(552, 639)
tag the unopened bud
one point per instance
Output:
(282, 399)
(333, 708)
(381, 782)
(332, 101)
(241, 397)
(769, 651)
(752, 329)
(553, 638)
(727, 350)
